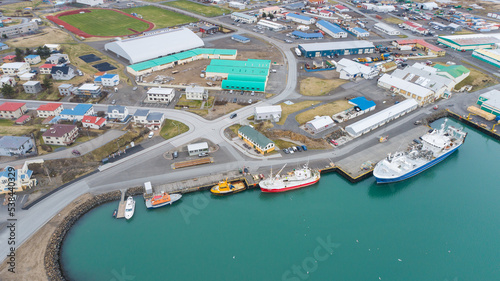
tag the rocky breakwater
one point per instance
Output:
(52, 254)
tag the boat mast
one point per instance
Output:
(281, 169)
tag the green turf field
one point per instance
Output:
(208, 11)
(160, 17)
(105, 23)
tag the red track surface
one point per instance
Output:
(78, 32)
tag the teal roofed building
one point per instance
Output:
(455, 72)
(256, 140)
(249, 75)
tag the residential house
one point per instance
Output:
(46, 68)
(89, 90)
(160, 95)
(326, 13)
(107, 80)
(58, 59)
(316, 2)
(3, 46)
(32, 87)
(319, 124)
(22, 179)
(11, 30)
(272, 113)
(77, 112)
(255, 139)
(7, 80)
(62, 73)
(32, 59)
(60, 134)
(93, 122)
(9, 58)
(53, 47)
(12, 110)
(67, 90)
(11, 145)
(140, 116)
(155, 120)
(119, 112)
(49, 109)
(27, 76)
(23, 119)
(15, 68)
(196, 93)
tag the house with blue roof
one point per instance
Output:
(300, 18)
(331, 29)
(307, 36)
(140, 116)
(22, 179)
(33, 59)
(107, 80)
(77, 112)
(12, 145)
(155, 120)
(118, 112)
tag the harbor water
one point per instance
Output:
(443, 224)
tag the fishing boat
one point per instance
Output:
(224, 187)
(432, 148)
(162, 199)
(129, 207)
(298, 178)
(115, 212)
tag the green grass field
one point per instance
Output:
(208, 11)
(105, 23)
(160, 17)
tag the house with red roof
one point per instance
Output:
(341, 8)
(93, 122)
(60, 134)
(49, 109)
(326, 13)
(46, 68)
(9, 58)
(11, 110)
(23, 119)
(316, 2)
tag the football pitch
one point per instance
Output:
(161, 17)
(204, 10)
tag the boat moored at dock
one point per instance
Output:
(129, 208)
(431, 149)
(162, 199)
(298, 178)
(225, 188)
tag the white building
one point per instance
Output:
(387, 29)
(384, 8)
(300, 18)
(90, 2)
(380, 118)
(349, 69)
(53, 47)
(160, 95)
(22, 179)
(237, 5)
(93, 122)
(32, 59)
(197, 148)
(119, 112)
(140, 116)
(331, 29)
(429, 6)
(57, 59)
(108, 80)
(272, 113)
(12, 145)
(271, 25)
(154, 120)
(196, 93)
(243, 17)
(7, 80)
(319, 124)
(15, 68)
(406, 89)
(359, 32)
(49, 109)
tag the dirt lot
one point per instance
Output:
(30, 256)
(221, 110)
(313, 86)
(49, 35)
(326, 109)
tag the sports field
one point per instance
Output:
(208, 11)
(105, 23)
(160, 17)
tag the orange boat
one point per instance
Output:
(162, 199)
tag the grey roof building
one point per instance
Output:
(12, 145)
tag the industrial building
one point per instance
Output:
(331, 29)
(161, 44)
(319, 124)
(350, 70)
(197, 148)
(469, 41)
(300, 18)
(272, 113)
(387, 29)
(21, 28)
(255, 139)
(250, 75)
(490, 102)
(380, 118)
(271, 25)
(490, 56)
(241, 17)
(408, 44)
(237, 5)
(307, 36)
(359, 32)
(180, 58)
(360, 106)
(336, 48)
(239, 38)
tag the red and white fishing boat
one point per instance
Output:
(296, 179)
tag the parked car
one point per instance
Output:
(334, 142)
(151, 134)
(250, 101)
(113, 101)
(299, 149)
(233, 115)
(304, 148)
(235, 100)
(175, 154)
(75, 152)
(290, 150)
(286, 151)
(203, 154)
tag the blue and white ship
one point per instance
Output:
(432, 148)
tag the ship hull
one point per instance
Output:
(275, 190)
(417, 170)
(172, 196)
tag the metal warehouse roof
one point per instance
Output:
(326, 46)
(386, 114)
(268, 109)
(242, 77)
(471, 39)
(12, 141)
(237, 70)
(330, 26)
(245, 16)
(239, 37)
(152, 46)
(243, 85)
(399, 83)
(187, 54)
(360, 30)
(307, 35)
(300, 17)
(362, 103)
(240, 63)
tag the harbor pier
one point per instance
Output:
(121, 206)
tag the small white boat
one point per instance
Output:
(129, 207)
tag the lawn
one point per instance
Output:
(393, 20)
(328, 109)
(172, 128)
(313, 86)
(161, 17)
(105, 23)
(289, 109)
(283, 144)
(189, 103)
(478, 79)
(208, 11)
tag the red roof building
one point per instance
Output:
(422, 44)
(46, 68)
(93, 122)
(23, 119)
(12, 109)
(49, 109)
(9, 58)
(341, 8)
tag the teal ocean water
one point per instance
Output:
(443, 224)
